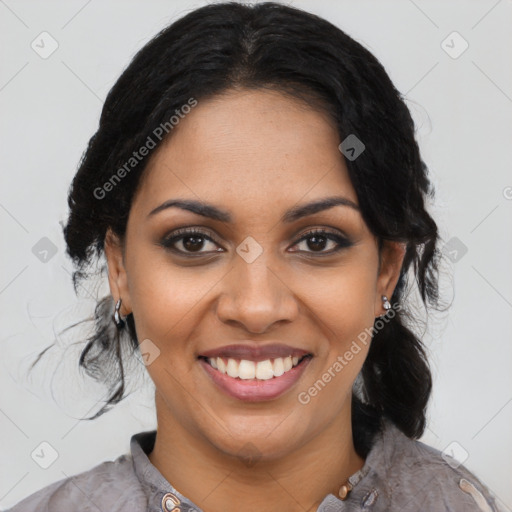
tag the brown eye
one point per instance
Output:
(189, 241)
(317, 241)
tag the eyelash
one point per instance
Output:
(180, 234)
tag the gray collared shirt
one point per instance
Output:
(399, 474)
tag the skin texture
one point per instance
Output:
(256, 154)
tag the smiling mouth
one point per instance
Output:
(244, 369)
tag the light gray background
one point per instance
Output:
(50, 107)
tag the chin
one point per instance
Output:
(252, 441)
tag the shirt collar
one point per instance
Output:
(152, 481)
(377, 463)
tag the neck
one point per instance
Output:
(217, 482)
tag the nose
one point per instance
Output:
(256, 296)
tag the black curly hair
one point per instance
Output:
(225, 46)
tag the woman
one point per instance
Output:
(259, 196)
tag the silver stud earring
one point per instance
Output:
(385, 303)
(117, 317)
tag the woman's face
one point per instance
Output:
(251, 284)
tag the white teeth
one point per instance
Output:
(262, 370)
(221, 365)
(278, 367)
(232, 368)
(247, 369)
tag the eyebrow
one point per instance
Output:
(292, 215)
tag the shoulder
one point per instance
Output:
(416, 476)
(111, 485)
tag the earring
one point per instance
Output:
(117, 317)
(385, 303)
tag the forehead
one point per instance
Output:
(254, 148)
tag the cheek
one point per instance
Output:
(343, 307)
(166, 301)
(164, 298)
(344, 299)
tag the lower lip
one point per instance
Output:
(253, 390)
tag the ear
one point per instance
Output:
(117, 276)
(391, 258)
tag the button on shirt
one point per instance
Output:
(399, 474)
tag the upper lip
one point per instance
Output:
(254, 352)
